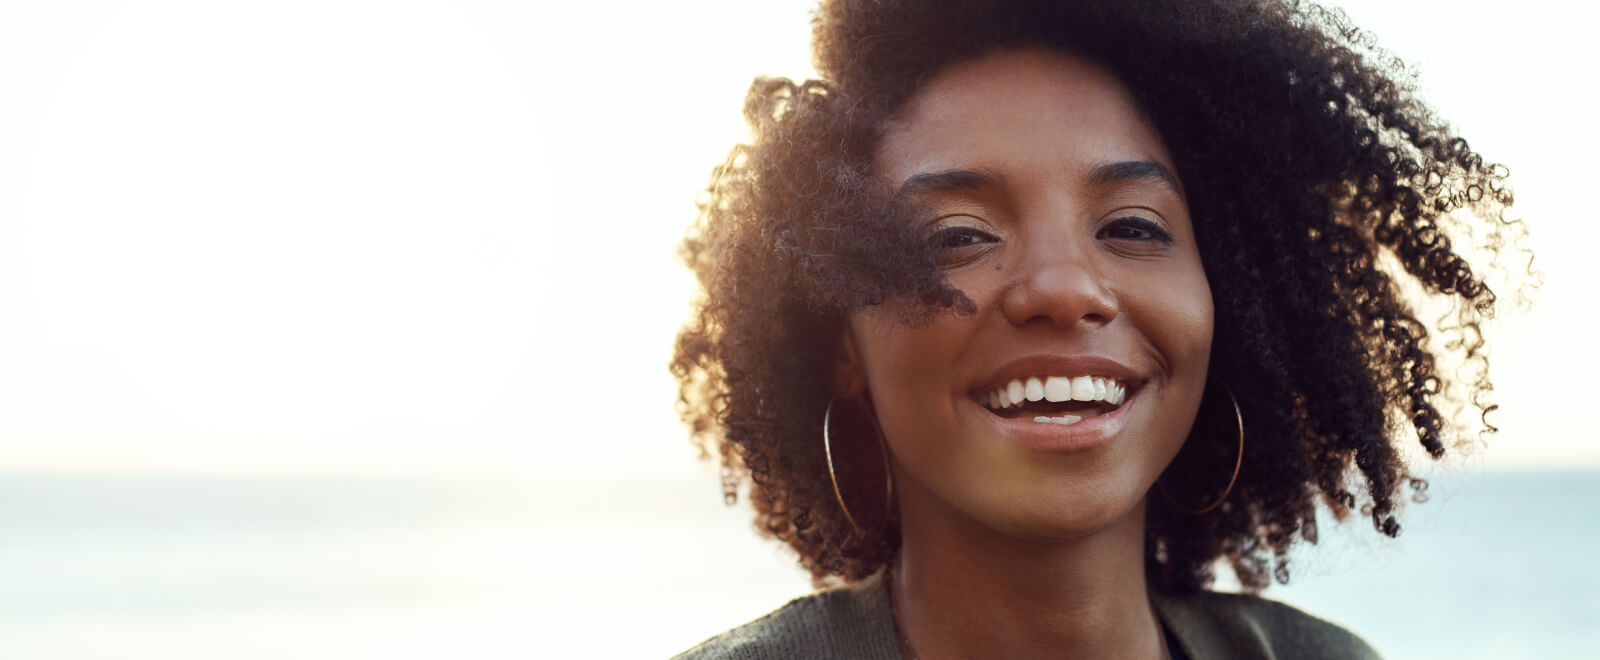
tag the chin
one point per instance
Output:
(1068, 512)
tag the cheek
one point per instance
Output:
(1178, 326)
(1188, 328)
(1178, 311)
(1201, 317)
(910, 371)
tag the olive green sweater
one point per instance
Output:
(855, 622)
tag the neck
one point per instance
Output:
(968, 592)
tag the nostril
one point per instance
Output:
(1099, 318)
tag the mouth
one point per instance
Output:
(1056, 399)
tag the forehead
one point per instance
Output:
(1020, 112)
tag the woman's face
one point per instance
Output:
(1051, 411)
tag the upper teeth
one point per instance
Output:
(1058, 388)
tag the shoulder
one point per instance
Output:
(848, 622)
(1216, 624)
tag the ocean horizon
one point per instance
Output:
(1494, 565)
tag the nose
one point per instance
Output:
(1061, 286)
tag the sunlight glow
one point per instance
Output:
(439, 238)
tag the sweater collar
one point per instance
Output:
(1188, 625)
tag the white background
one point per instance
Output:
(439, 237)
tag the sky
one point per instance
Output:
(438, 238)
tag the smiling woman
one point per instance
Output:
(1027, 313)
(1079, 257)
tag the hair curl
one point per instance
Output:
(1319, 186)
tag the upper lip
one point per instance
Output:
(1058, 365)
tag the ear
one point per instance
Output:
(850, 375)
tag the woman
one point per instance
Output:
(1027, 313)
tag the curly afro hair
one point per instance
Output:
(1320, 188)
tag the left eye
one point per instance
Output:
(1136, 229)
(958, 244)
(953, 238)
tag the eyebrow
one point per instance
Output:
(1129, 171)
(949, 181)
(1104, 174)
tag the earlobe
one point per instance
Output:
(849, 376)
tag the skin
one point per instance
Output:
(1010, 549)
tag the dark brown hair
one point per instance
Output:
(1319, 185)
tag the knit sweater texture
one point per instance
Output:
(856, 622)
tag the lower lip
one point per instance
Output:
(1088, 434)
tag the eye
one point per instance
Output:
(1135, 228)
(957, 244)
(954, 238)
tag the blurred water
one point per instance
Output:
(1497, 565)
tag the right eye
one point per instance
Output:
(958, 244)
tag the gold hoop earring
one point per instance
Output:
(1237, 462)
(827, 450)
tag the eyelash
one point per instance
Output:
(1156, 233)
(945, 240)
(940, 239)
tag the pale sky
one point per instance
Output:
(438, 237)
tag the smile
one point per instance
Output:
(1063, 400)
